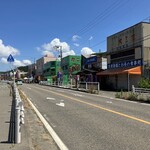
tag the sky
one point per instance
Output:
(30, 29)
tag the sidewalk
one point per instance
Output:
(107, 94)
(34, 136)
(5, 112)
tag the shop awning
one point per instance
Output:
(135, 70)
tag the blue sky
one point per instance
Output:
(31, 28)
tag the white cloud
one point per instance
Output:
(7, 50)
(91, 38)
(50, 48)
(76, 44)
(16, 62)
(27, 62)
(86, 51)
(75, 38)
(71, 52)
(47, 53)
(4, 60)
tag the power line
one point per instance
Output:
(90, 23)
(101, 17)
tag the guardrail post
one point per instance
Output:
(133, 89)
(17, 125)
(98, 87)
(86, 85)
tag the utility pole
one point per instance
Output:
(58, 47)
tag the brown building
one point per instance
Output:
(40, 65)
(128, 57)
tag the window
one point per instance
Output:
(123, 56)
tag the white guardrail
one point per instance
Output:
(89, 86)
(86, 86)
(140, 90)
(19, 113)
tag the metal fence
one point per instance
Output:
(140, 90)
(19, 113)
(58, 84)
(92, 87)
(89, 86)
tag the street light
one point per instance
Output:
(58, 47)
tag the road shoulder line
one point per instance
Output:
(56, 138)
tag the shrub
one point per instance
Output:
(144, 83)
(133, 96)
(118, 95)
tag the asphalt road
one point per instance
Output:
(90, 122)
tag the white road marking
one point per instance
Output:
(51, 98)
(78, 95)
(29, 88)
(60, 104)
(56, 138)
(109, 102)
(60, 90)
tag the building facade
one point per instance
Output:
(70, 66)
(128, 56)
(50, 70)
(40, 65)
(32, 70)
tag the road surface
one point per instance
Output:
(90, 122)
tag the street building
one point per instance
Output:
(32, 70)
(90, 66)
(128, 57)
(50, 70)
(40, 65)
(70, 66)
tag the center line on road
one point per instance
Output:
(100, 107)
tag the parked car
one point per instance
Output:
(19, 82)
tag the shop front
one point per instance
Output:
(119, 79)
(126, 56)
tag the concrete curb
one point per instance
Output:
(56, 138)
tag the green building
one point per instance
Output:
(70, 66)
(50, 70)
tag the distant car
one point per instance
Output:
(19, 82)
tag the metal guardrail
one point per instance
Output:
(19, 113)
(59, 84)
(86, 86)
(140, 90)
(89, 85)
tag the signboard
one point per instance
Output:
(91, 60)
(130, 63)
(10, 58)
